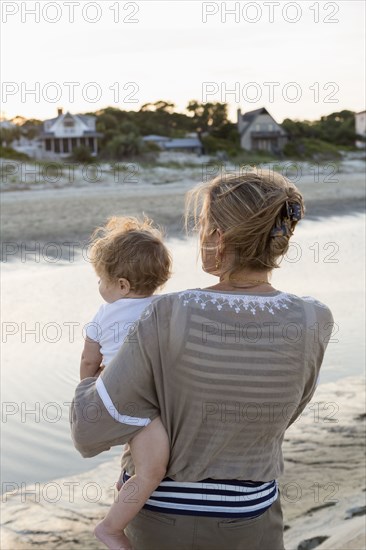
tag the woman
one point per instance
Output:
(228, 368)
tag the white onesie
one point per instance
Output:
(112, 322)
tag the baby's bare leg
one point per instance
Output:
(150, 454)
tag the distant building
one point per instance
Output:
(6, 124)
(31, 147)
(189, 144)
(260, 132)
(360, 122)
(20, 143)
(158, 140)
(61, 135)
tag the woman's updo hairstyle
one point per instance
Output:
(256, 213)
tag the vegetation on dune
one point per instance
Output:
(11, 154)
(336, 128)
(82, 154)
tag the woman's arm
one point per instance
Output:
(91, 360)
(317, 341)
(111, 409)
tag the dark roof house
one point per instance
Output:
(260, 132)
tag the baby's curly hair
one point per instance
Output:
(131, 249)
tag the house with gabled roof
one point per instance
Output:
(260, 132)
(61, 135)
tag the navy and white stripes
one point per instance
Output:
(212, 497)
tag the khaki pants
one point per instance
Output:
(156, 531)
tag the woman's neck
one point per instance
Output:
(245, 281)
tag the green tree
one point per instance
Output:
(124, 146)
(106, 121)
(337, 128)
(209, 117)
(8, 135)
(31, 128)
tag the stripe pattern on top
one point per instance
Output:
(108, 403)
(212, 497)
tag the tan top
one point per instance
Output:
(227, 372)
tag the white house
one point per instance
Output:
(259, 131)
(61, 135)
(360, 121)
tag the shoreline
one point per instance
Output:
(322, 504)
(70, 243)
(69, 215)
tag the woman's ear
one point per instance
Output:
(124, 285)
(219, 239)
(219, 234)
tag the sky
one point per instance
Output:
(300, 60)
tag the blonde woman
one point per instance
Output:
(228, 368)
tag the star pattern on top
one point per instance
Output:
(238, 303)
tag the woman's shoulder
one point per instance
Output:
(314, 301)
(274, 301)
(207, 299)
(314, 309)
(322, 311)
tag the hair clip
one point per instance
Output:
(280, 231)
(291, 211)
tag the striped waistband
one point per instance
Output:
(212, 497)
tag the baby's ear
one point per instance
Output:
(125, 286)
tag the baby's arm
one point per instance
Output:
(91, 359)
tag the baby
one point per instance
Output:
(132, 262)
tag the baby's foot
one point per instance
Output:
(113, 540)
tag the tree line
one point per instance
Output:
(123, 130)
